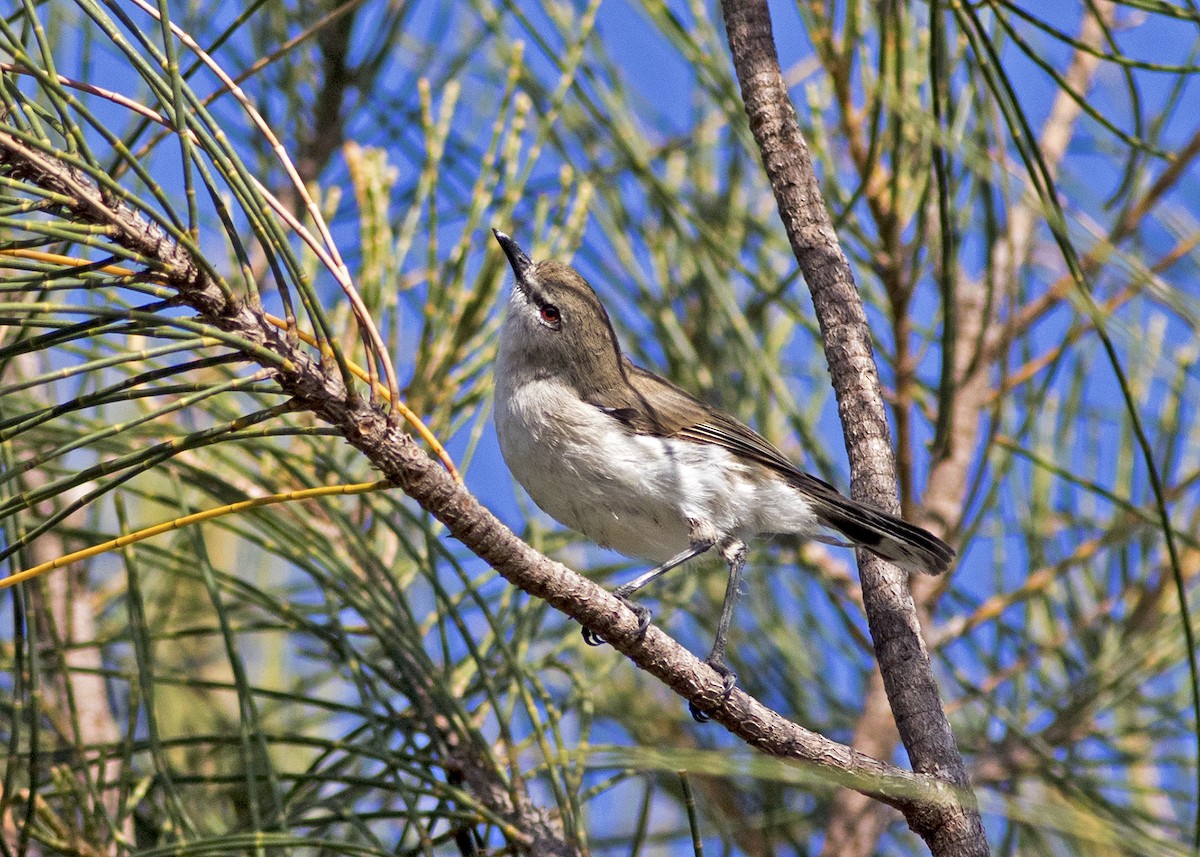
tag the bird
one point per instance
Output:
(641, 466)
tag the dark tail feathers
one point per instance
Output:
(899, 542)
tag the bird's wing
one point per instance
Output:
(648, 404)
(676, 414)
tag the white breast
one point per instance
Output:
(633, 493)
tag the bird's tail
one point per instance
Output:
(906, 545)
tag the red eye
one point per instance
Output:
(550, 314)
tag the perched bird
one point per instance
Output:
(640, 466)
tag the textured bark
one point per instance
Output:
(318, 387)
(891, 612)
(946, 487)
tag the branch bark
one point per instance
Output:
(891, 613)
(946, 487)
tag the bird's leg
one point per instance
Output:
(702, 538)
(734, 554)
(622, 593)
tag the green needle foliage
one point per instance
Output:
(1015, 188)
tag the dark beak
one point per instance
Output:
(521, 264)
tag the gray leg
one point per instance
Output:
(703, 537)
(679, 559)
(734, 553)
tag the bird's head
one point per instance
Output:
(556, 323)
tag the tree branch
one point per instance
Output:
(319, 388)
(891, 613)
(980, 321)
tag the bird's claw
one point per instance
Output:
(643, 615)
(590, 638)
(729, 682)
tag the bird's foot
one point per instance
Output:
(729, 678)
(643, 615)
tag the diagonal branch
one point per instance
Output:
(320, 389)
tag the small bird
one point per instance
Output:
(640, 466)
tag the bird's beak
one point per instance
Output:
(521, 264)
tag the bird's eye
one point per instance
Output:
(550, 314)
